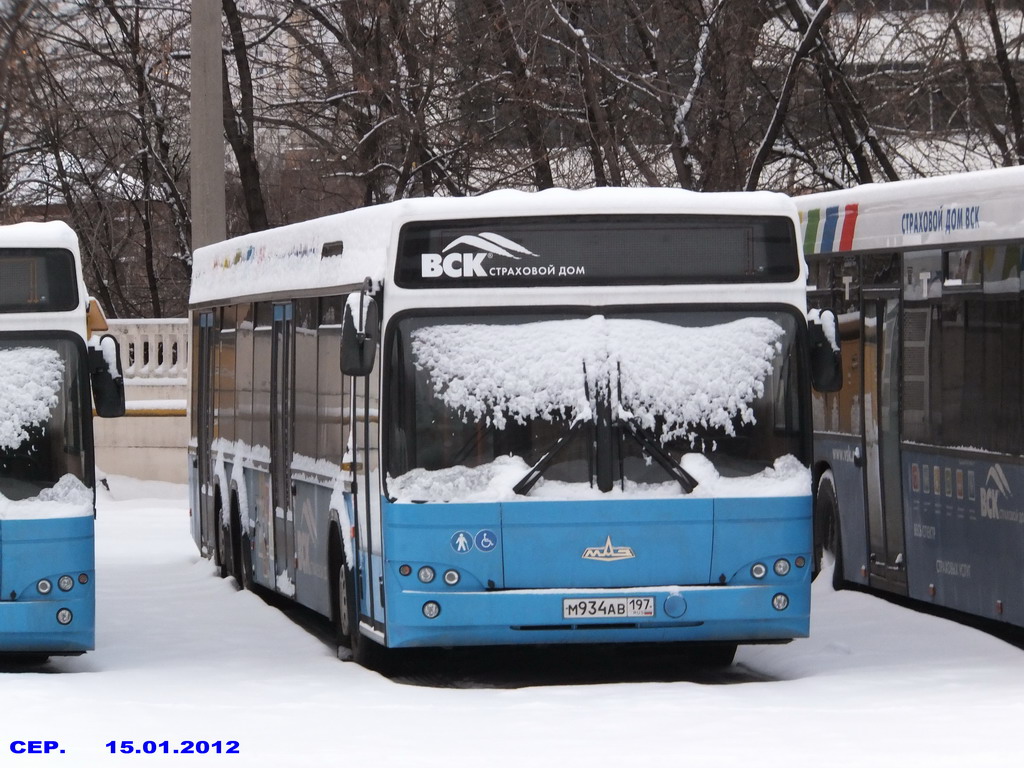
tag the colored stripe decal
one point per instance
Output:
(811, 231)
(828, 232)
(849, 226)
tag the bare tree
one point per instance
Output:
(104, 97)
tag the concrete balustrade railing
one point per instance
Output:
(150, 440)
(153, 349)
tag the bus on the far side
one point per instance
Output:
(51, 373)
(920, 453)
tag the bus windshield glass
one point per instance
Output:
(37, 280)
(44, 469)
(651, 403)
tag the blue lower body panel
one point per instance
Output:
(500, 573)
(31, 550)
(32, 626)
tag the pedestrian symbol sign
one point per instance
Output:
(462, 541)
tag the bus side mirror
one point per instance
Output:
(825, 355)
(359, 334)
(106, 377)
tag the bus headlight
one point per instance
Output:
(44, 586)
(758, 570)
(65, 583)
(426, 574)
(64, 616)
(781, 566)
(431, 610)
(451, 577)
(780, 602)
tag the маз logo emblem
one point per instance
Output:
(608, 553)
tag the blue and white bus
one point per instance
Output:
(921, 451)
(558, 417)
(49, 373)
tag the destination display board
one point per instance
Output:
(597, 250)
(37, 280)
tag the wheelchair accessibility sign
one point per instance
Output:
(485, 540)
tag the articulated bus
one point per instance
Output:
(556, 417)
(50, 371)
(919, 453)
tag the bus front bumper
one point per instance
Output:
(32, 626)
(745, 614)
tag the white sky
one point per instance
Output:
(183, 655)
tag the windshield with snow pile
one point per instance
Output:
(647, 404)
(42, 432)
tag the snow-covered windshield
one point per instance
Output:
(42, 445)
(506, 406)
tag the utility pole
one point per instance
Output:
(207, 126)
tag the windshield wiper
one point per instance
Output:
(650, 444)
(525, 485)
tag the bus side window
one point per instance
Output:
(245, 320)
(332, 426)
(225, 390)
(261, 353)
(306, 378)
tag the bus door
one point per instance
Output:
(883, 474)
(204, 517)
(366, 491)
(281, 448)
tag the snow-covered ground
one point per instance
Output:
(183, 656)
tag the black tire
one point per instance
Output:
(220, 555)
(24, 659)
(352, 645)
(345, 618)
(826, 510)
(246, 581)
(235, 527)
(714, 655)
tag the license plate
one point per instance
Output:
(608, 607)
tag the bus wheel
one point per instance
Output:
(826, 513)
(235, 535)
(245, 580)
(352, 646)
(714, 655)
(219, 553)
(27, 659)
(344, 603)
